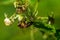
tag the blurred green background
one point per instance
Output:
(12, 32)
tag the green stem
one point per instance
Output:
(32, 33)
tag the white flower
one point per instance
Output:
(15, 4)
(20, 17)
(49, 22)
(7, 21)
